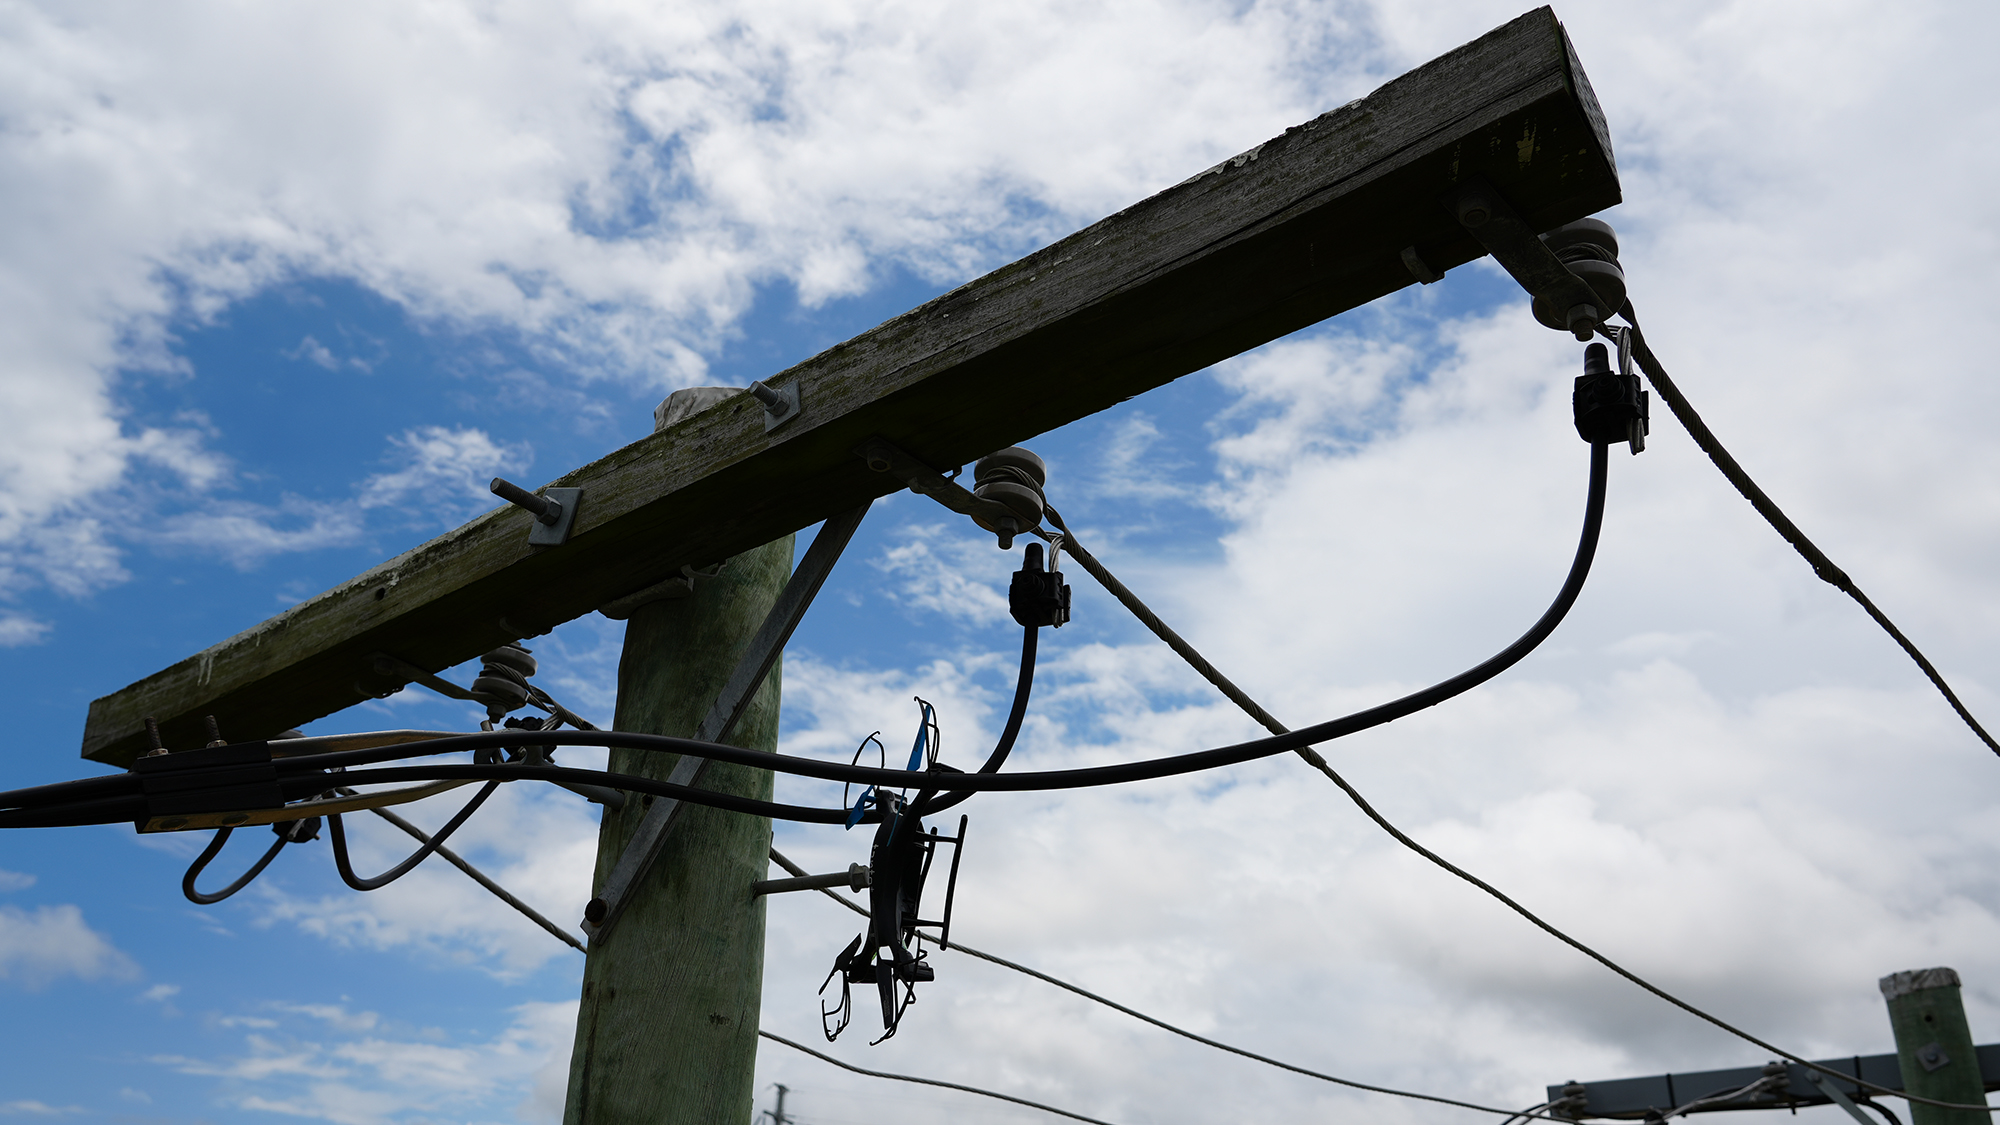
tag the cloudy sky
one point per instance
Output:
(281, 285)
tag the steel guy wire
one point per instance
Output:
(481, 878)
(1822, 566)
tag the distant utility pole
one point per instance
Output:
(1934, 1045)
(667, 1032)
(778, 1116)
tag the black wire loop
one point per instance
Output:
(209, 853)
(347, 875)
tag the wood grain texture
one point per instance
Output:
(1305, 225)
(667, 1033)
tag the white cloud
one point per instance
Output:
(17, 630)
(611, 182)
(943, 572)
(40, 946)
(160, 993)
(15, 881)
(444, 475)
(349, 1070)
(247, 533)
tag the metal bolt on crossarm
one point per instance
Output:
(544, 510)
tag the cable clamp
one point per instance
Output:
(231, 779)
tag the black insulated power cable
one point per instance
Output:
(1024, 684)
(1816, 558)
(347, 875)
(1312, 757)
(1169, 766)
(209, 853)
(301, 776)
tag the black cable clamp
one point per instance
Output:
(237, 778)
(1036, 596)
(1610, 405)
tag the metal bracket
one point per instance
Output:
(923, 480)
(644, 846)
(1827, 1087)
(679, 586)
(1520, 251)
(857, 877)
(384, 664)
(1419, 269)
(781, 404)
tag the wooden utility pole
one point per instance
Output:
(667, 1032)
(1934, 1045)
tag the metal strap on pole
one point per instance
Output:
(755, 664)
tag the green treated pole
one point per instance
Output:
(1934, 1045)
(667, 1031)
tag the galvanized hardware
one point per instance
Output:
(855, 878)
(391, 667)
(1932, 1056)
(1572, 303)
(554, 510)
(602, 912)
(1589, 247)
(883, 457)
(781, 404)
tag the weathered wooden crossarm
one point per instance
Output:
(1303, 226)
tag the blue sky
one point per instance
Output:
(283, 288)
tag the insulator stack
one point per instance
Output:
(503, 678)
(1589, 247)
(1012, 477)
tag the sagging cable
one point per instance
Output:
(1822, 566)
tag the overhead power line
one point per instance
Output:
(1822, 566)
(960, 947)
(930, 1081)
(1313, 758)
